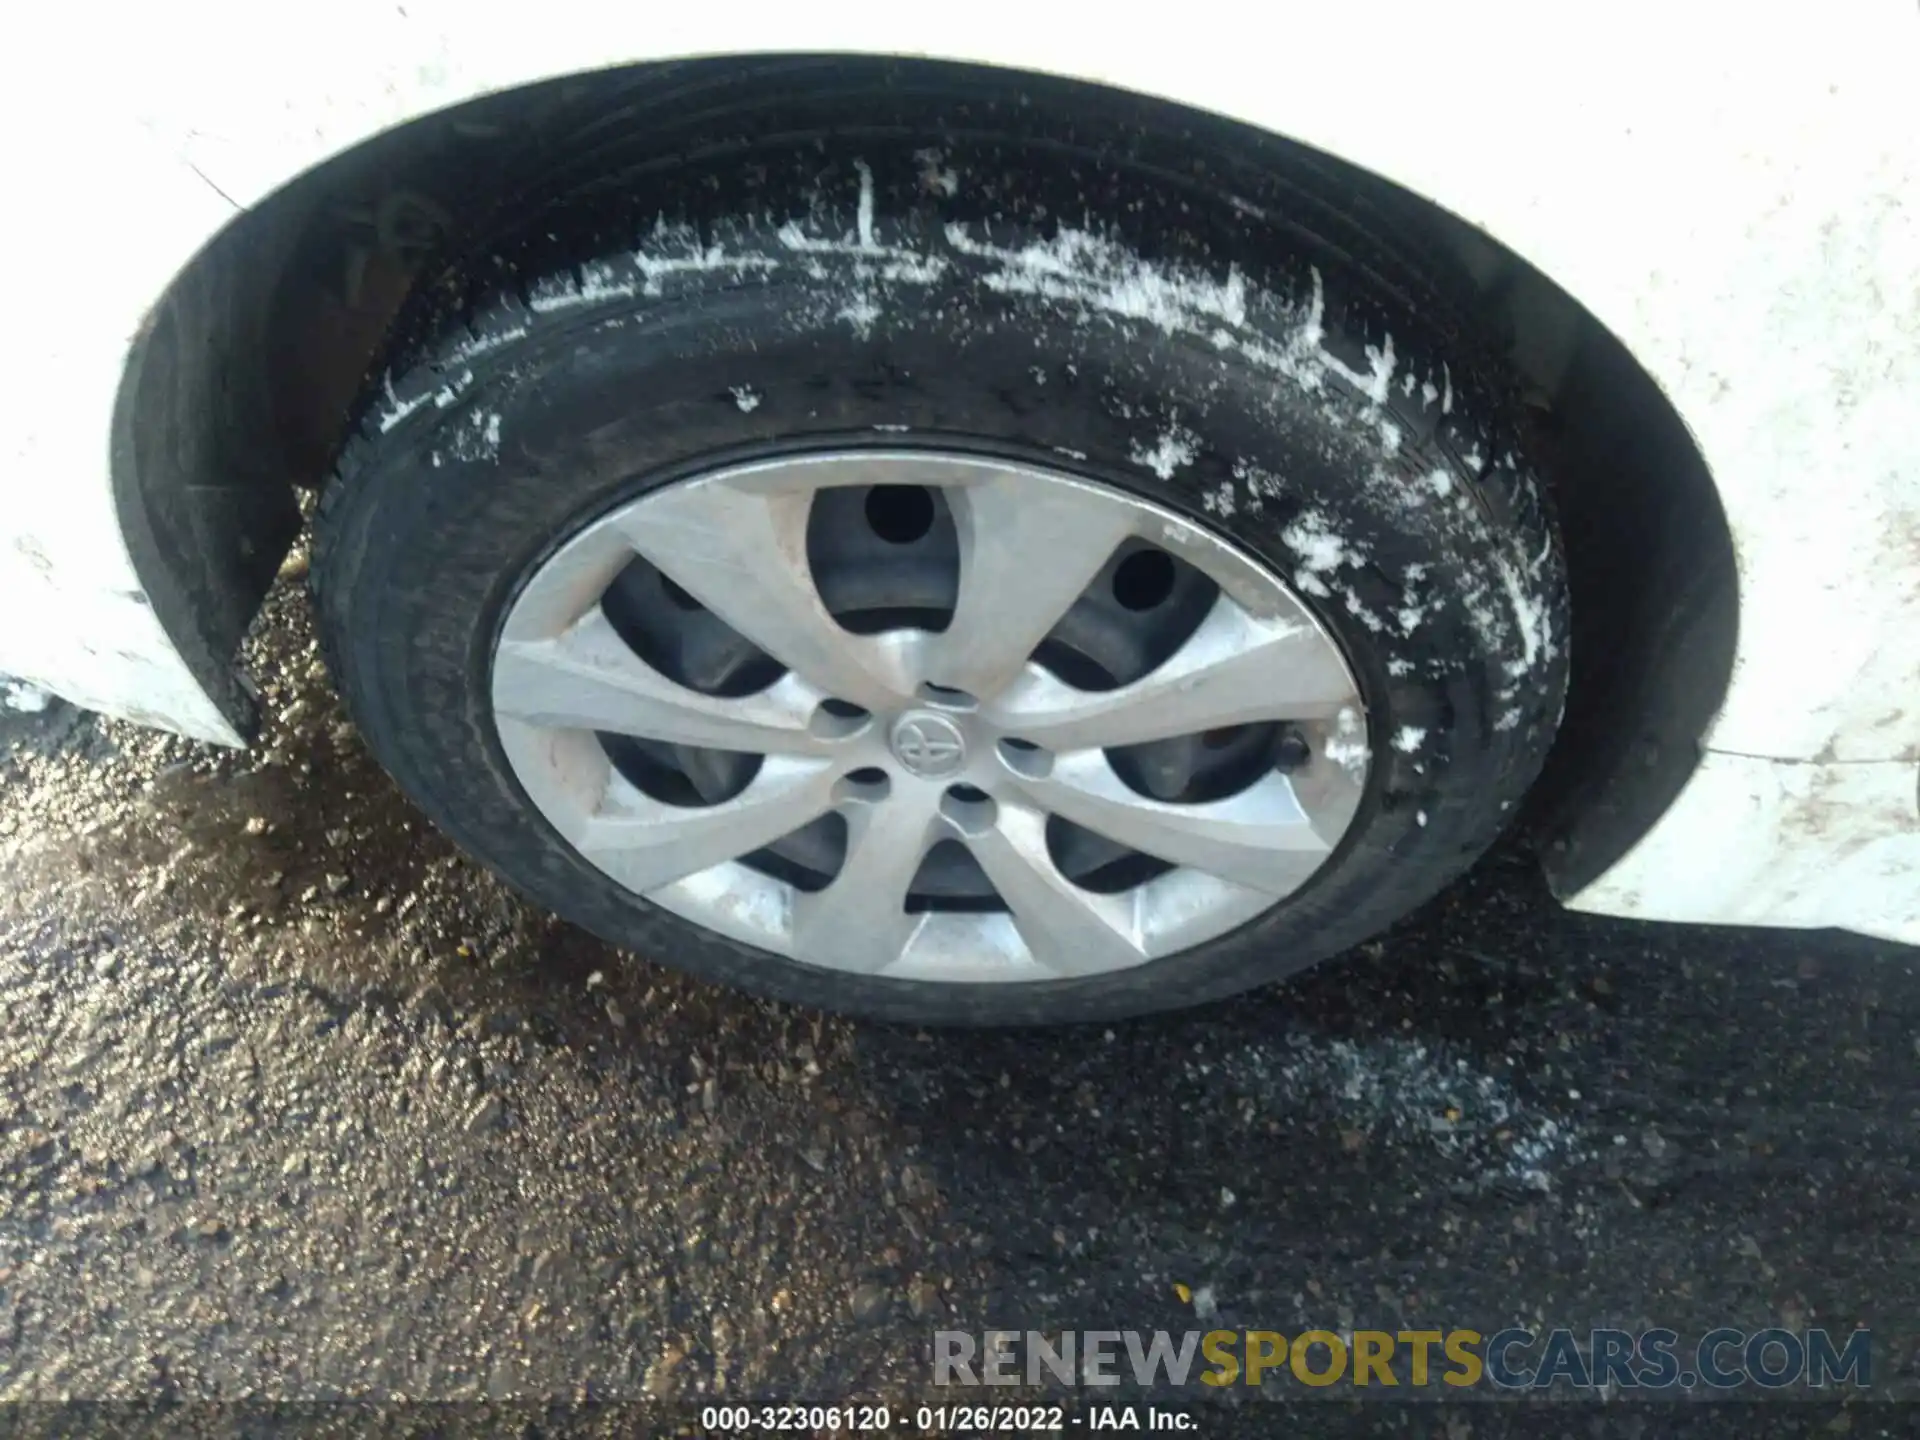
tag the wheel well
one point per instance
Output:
(236, 395)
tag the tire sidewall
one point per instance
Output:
(450, 509)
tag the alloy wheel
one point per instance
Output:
(930, 716)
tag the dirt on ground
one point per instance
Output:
(298, 1103)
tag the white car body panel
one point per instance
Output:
(1730, 193)
(72, 612)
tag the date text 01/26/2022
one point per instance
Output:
(958, 1420)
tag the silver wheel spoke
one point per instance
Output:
(588, 679)
(1260, 838)
(1028, 548)
(1069, 931)
(859, 921)
(742, 553)
(646, 844)
(1233, 670)
(924, 765)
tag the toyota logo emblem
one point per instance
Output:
(929, 745)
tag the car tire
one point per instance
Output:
(1053, 308)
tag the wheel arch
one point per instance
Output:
(235, 394)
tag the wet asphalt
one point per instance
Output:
(298, 1103)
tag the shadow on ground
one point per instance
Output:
(299, 1102)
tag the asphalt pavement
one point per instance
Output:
(298, 1103)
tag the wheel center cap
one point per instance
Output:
(928, 745)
